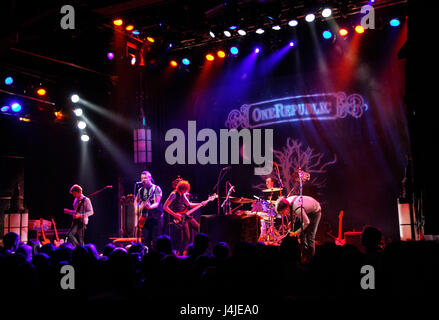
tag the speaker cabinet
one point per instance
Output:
(16, 222)
(230, 229)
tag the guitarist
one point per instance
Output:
(176, 203)
(82, 209)
(148, 209)
(311, 212)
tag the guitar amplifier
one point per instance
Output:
(230, 229)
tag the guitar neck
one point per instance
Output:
(54, 228)
(189, 212)
(340, 225)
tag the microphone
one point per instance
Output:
(139, 182)
(226, 168)
(109, 187)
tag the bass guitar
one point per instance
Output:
(188, 212)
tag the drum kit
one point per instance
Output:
(271, 232)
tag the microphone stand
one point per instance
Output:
(138, 214)
(221, 176)
(280, 195)
(226, 202)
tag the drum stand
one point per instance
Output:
(270, 235)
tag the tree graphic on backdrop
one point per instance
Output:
(294, 156)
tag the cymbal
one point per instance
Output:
(272, 190)
(241, 200)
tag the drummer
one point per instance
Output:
(271, 196)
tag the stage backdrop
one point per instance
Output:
(336, 111)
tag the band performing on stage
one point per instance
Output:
(280, 216)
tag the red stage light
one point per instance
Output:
(129, 27)
(343, 32)
(210, 57)
(118, 22)
(359, 29)
(221, 54)
(41, 92)
(173, 63)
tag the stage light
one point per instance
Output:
(227, 33)
(82, 125)
(78, 112)
(359, 29)
(293, 23)
(221, 54)
(9, 81)
(212, 35)
(74, 98)
(185, 61)
(260, 31)
(257, 50)
(59, 115)
(395, 22)
(326, 12)
(150, 39)
(327, 34)
(135, 32)
(234, 50)
(129, 27)
(310, 17)
(110, 55)
(118, 22)
(85, 138)
(133, 61)
(5, 109)
(210, 57)
(276, 27)
(16, 107)
(343, 32)
(41, 92)
(232, 27)
(242, 32)
(292, 43)
(173, 64)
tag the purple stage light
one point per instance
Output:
(110, 55)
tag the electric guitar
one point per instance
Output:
(143, 216)
(185, 214)
(57, 241)
(45, 240)
(339, 240)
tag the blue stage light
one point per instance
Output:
(16, 107)
(257, 50)
(234, 50)
(395, 22)
(185, 61)
(327, 34)
(5, 109)
(9, 81)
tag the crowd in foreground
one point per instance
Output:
(245, 272)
